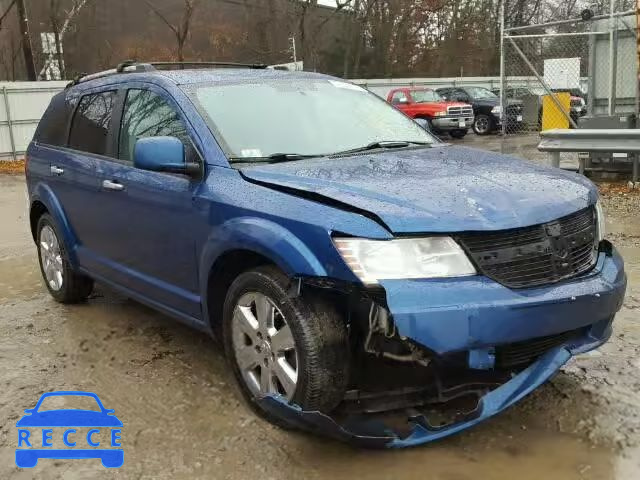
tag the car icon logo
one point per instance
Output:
(84, 433)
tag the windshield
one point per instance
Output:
(480, 92)
(424, 96)
(300, 116)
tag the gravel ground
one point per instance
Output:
(183, 418)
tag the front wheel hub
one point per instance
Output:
(263, 346)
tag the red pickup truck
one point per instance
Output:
(453, 117)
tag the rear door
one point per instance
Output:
(150, 244)
(66, 154)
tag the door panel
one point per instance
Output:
(73, 179)
(72, 173)
(148, 245)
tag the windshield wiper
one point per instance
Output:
(273, 158)
(381, 144)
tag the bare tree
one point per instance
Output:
(181, 30)
(60, 20)
(309, 32)
(9, 57)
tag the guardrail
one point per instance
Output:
(592, 142)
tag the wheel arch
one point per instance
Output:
(43, 200)
(221, 275)
(35, 212)
(245, 243)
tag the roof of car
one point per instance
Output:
(185, 77)
(199, 75)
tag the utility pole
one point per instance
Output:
(26, 40)
(294, 53)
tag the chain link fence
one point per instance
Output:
(577, 74)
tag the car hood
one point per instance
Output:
(438, 189)
(69, 418)
(452, 104)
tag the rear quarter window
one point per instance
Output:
(52, 128)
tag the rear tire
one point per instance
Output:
(64, 284)
(314, 346)
(483, 125)
(458, 133)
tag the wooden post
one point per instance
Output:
(26, 40)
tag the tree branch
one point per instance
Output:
(160, 15)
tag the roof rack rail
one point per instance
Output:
(132, 66)
(258, 66)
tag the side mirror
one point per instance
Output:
(423, 123)
(163, 154)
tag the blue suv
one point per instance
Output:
(350, 263)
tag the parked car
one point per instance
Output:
(348, 260)
(577, 103)
(486, 108)
(455, 118)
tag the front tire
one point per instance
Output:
(63, 283)
(276, 344)
(483, 125)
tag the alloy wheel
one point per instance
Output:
(51, 258)
(482, 125)
(264, 347)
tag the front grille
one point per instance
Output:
(538, 255)
(522, 353)
(460, 111)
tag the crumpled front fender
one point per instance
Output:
(375, 434)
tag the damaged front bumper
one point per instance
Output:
(476, 316)
(370, 432)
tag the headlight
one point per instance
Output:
(432, 257)
(497, 110)
(441, 114)
(601, 221)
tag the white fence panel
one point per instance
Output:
(21, 107)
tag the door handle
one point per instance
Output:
(56, 170)
(114, 186)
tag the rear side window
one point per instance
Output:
(147, 114)
(91, 122)
(398, 97)
(52, 129)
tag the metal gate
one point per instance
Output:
(580, 67)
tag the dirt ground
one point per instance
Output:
(182, 415)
